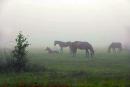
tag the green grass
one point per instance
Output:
(103, 70)
(102, 62)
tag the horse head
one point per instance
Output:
(55, 43)
(92, 51)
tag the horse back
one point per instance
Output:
(83, 45)
(116, 45)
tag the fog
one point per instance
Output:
(99, 22)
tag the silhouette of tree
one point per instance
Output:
(19, 52)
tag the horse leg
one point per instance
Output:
(74, 52)
(91, 52)
(87, 53)
(61, 49)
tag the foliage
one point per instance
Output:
(19, 53)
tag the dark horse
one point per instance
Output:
(82, 46)
(115, 45)
(61, 45)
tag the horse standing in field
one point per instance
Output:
(115, 45)
(82, 46)
(50, 51)
(61, 45)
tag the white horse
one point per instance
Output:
(50, 51)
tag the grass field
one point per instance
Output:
(103, 70)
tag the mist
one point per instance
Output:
(99, 22)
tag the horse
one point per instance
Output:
(50, 51)
(82, 46)
(115, 45)
(61, 45)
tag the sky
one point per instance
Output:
(99, 22)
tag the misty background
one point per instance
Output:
(99, 22)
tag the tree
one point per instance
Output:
(20, 53)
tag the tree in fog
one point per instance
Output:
(20, 52)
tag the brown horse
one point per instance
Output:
(115, 45)
(82, 46)
(50, 51)
(61, 45)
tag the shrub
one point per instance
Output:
(19, 53)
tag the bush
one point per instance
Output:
(19, 53)
(6, 61)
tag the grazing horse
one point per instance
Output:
(50, 51)
(82, 46)
(115, 45)
(61, 44)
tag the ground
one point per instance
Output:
(103, 70)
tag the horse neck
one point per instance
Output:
(57, 42)
(91, 49)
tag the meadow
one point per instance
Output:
(63, 70)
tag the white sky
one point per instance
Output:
(99, 22)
